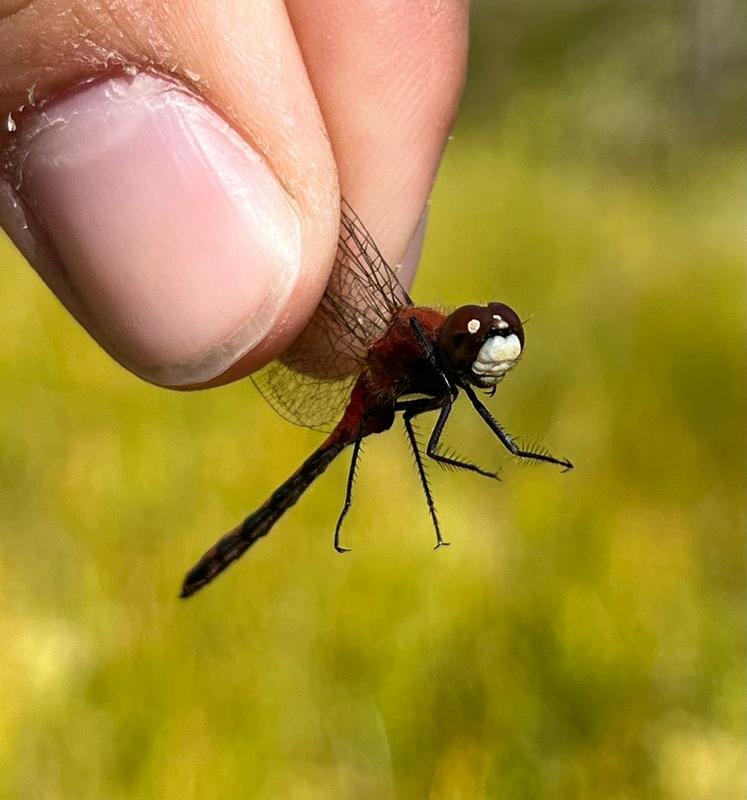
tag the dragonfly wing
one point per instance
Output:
(363, 292)
(304, 399)
(310, 383)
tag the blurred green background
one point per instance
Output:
(582, 637)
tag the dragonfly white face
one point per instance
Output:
(495, 358)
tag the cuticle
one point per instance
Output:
(179, 81)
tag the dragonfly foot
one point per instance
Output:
(341, 549)
(441, 543)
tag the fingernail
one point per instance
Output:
(160, 228)
(409, 263)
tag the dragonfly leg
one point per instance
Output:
(348, 491)
(446, 460)
(507, 440)
(415, 407)
(407, 416)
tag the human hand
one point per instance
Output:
(184, 204)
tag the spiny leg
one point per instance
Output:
(423, 478)
(506, 439)
(435, 438)
(413, 408)
(348, 491)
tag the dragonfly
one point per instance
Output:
(368, 355)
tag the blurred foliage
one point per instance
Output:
(634, 83)
(582, 637)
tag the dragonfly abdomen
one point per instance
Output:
(258, 524)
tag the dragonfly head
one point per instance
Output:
(481, 343)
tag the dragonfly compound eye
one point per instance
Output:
(506, 321)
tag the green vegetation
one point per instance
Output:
(582, 637)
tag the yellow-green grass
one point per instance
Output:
(581, 638)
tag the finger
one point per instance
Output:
(184, 228)
(388, 77)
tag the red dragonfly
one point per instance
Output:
(369, 354)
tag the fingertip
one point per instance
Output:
(409, 264)
(388, 78)
(189, 224)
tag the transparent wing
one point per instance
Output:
(310, 384)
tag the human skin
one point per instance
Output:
(175, 170)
